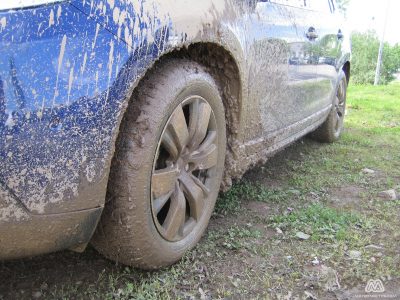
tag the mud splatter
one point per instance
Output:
(59, 10)
(84, 63)
(59, 65)
(9, 210)
(3, 23)
(51, 18)
(95, 36)
(70, 81)
(110, 65)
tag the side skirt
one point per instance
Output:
(264, 147)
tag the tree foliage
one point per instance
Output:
(365, 48)
(342, 5)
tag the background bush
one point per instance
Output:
(365, 48)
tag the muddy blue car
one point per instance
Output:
(122, 120)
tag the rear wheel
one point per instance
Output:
(331, 130)
(167, 169)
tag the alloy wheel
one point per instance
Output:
(184, 169)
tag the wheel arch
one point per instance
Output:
(226, 70)
(346, 70)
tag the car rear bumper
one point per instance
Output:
(23, 234)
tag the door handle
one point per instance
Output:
(340, 35)
(311, 34)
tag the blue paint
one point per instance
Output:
(52, 128)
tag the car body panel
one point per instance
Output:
(290, 86)
(67, 71)
(54, 132)
(47, 233)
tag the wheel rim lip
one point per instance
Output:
(207, 182)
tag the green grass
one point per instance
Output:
(229, 202)
(374, 122)
(371, 140)
(374, 109)
(322, 223)
(235, 237)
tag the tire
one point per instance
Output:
(164, 180)
(331, 130)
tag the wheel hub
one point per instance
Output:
(183, 169)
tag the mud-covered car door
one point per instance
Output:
(328, 46)
(285, 40)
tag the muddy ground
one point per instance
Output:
(312, 223)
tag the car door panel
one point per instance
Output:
(284, 76)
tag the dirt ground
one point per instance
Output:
(312, 223)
